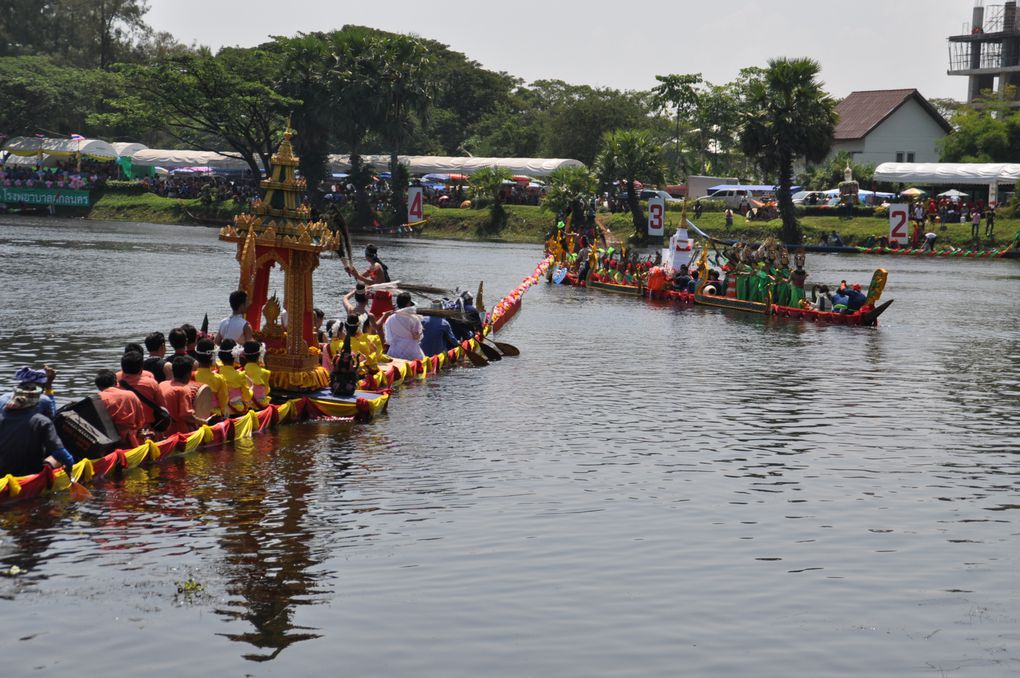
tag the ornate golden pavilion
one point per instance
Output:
(279, 231)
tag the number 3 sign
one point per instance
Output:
(656, 212)
(899, 217)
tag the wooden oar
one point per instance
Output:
(507, 349)
(490, 352)
(78, 491)
(476, 360)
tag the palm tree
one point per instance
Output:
(406, 89)
(487, 186)
(356, 106)
(631, 155)
(787, 115)
(570, 188)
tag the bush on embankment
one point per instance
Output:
(129, 205)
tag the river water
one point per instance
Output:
(646, 491)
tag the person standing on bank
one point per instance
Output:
(236, 327)
(376, 273)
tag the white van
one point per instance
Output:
(734, 198)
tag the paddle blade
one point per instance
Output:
(476, 360)
(490, 352)
(507, 349)
(205, 325)
(79, 492)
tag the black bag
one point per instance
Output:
(162, 418)
(86, 429)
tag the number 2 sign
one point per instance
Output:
(899, 217)
(656, 212)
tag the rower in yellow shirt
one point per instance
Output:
(258, 375)
(238, 385)
(205, 375)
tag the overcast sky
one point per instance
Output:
(861, 45)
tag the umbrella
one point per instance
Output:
(521, 178)
(458, 177)
(436, 177)
(913, 193)
(953, 193)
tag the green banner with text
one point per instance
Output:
(65, 197)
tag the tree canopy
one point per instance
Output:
(788, 115)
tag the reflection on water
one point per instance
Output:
(649, 486)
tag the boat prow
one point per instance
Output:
(871, 317)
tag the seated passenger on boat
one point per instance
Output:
(178, 340)
(205, 375)
(256, 373)
(840, 301)
(437, 335)
(179, 398)
(28, 438)
(135, 379)
(356, 302)
(236, 326)
(855, 298)
(472, 322)
(125, 408)
(156, 363)
(238, 385)
(43, 379)
(402, 330)
(823, 301)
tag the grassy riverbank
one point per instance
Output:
(528, 224)
(151, 208)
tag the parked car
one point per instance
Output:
(735, 198)
(810, 198)
(653, 193)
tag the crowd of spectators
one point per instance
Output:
(207, 187)
(91, 174)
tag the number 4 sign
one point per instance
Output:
(415, 211)
(656, 213)
(899, 217)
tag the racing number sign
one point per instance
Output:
(899, 217)
(656, 215)
(415, 211)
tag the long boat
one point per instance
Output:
(867, 316)
(364, 405)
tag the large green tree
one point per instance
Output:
(679, 95)
(988, 131)
(787, 115)
(206, 102)
(94, 33)
(578, 116)
(631, 156)
(40, 96)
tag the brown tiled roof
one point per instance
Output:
(862, 112)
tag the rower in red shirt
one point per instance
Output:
(126, 410)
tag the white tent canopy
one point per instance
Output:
(930, 173)
(61, 148)
(155, 157)
(434, 164)
(29, 161)
(127, 148)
